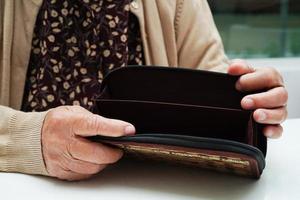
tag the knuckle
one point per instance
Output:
(270, 76)
(94, 122)
(281, 117)
(242, 82)
(285, 115)
(257, 100)
(283, 95)
(57, 115)
(53, 117)
(275, 77)
(280, 79)
(77, 107)
(65, 108)
(104, 126)
(54, 120)
(274, 72)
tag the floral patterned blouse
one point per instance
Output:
(75, 44)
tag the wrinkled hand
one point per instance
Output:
(270, 106)
(67, 154)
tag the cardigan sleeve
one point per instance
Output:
(20, 142)
(1, 19)
(198, 41)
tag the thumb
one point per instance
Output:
(92, 125)
(239, 67)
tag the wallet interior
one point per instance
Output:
(183, 108)
(175, 119)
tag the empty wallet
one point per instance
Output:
(183, 116)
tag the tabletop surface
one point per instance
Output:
(148, 180)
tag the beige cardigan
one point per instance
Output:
(174, 32)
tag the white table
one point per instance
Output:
(143, 181)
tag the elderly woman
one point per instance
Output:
(54, 54)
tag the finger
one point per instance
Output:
(96, 153)
(91, 125)
(79, 166)
(273, 131)
(272, 116)
(71, 176)
(274, 98)
(264, 78)
(239, 67)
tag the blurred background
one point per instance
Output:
(267, 34)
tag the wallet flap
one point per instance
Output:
(172, 85)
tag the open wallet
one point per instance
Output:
(183, 116)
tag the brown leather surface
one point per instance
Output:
(221, 161)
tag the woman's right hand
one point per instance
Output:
(67, 154)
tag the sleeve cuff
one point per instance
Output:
(24, 149)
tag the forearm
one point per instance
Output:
(20, 142)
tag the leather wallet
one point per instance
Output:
(183, 116)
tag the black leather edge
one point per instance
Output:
(191, 142)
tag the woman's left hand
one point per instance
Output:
(270, 106)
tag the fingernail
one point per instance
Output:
(269, 134)
(262, 116)
(129, 130)
(238, 86)
(248, 103)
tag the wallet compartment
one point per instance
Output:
(176, 119)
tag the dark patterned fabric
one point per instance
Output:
(75, 44)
